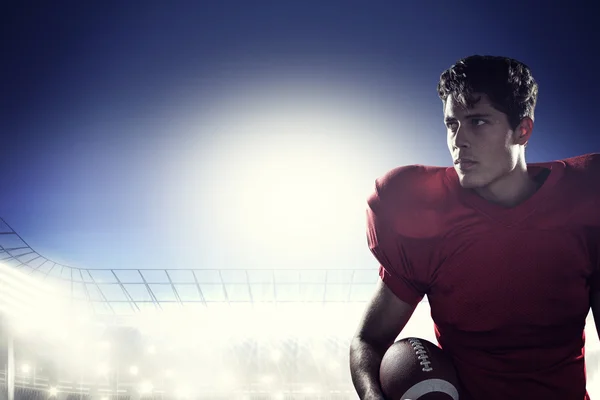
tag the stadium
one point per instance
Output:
(174, 333)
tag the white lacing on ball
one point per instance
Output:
(421, 353)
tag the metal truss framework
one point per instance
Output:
(122, 292)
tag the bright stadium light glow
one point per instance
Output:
(151, 349)
(31, 290)
(35, 307)
(103, 369)
(53, 391)
(226, 379)
(22, 329)
(275, 355)
(299, 320)
(169, 373)
(104, 398)
(25, 368)
(289, 149)
(133, 370)
(105, 344)
(278, 396)
(79, 345)
(318, 354)
(309, 390)
(146, 387)
(285, 174)
(267, 379)
(333, 365)
(182, 392)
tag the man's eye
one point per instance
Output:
(478, 122)
(452, 126)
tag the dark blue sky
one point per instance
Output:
(136, 135)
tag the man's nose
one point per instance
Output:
(461, 138)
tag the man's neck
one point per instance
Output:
(511, 190)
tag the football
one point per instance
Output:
(414, 368)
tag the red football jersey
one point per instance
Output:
(508, 287)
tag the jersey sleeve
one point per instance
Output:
(591, 164)
(399, 265)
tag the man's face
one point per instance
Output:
(481, 134)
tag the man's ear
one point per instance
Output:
(523, 131)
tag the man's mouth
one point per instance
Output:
(465, 164)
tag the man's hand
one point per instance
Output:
(384, 318)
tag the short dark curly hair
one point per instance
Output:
(508, 84)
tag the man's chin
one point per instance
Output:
(467, 182)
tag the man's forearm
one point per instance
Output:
(365, 361)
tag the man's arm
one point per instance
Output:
(384, 318)
(595, 305)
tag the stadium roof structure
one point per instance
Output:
(123, 292)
